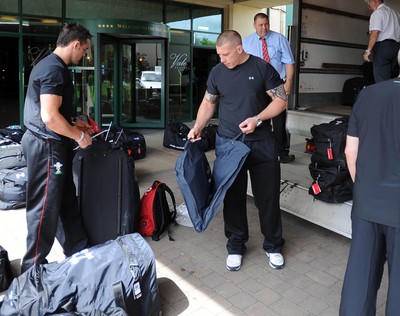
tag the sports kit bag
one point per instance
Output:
(175, 135)
(5, 270)
(331, 178)
(119, 274)
(11, 154)
(156, 214)
(13, 188)
(130, 141)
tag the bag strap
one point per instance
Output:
(161, 188)
(133, 305)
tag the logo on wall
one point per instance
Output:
(178, 61)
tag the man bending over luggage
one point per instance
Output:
(241, 84)
(48, 148)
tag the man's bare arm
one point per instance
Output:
(278, 92)
(204, 114)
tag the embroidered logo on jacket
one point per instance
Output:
(58, 166)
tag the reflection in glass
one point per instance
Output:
(141, 102)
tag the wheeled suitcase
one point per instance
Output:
(107, 190)
(119, 274)
(11, 154)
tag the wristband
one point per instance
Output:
(367, 50)
(82, 137)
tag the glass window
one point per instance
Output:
(34, 49)
(207, 20)
(205, 39)
(42, 7)
(107, 9)
(180, 37)
(41, 26)
(178, 17)
(9, 23)
(179, 83)
(10, 6)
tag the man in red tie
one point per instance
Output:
(274, 48)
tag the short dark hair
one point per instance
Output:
(261, 16)
(72, 32)
(229, 36)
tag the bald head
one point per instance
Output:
(230, 36)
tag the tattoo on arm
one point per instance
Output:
(211, 97)
(278, 92)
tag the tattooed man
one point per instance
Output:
(239, 85)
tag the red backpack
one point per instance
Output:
(155, 211)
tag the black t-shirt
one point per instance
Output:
(375, 121)
(242, 94)
(49, 76)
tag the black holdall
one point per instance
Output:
(175, 135)
(13, 188)
(5, 270)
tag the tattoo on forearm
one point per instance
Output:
(211, 97)
(279, 92)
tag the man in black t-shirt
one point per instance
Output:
(373, 157)
(240, 84)
(48, 149)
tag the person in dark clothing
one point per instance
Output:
(372, 154)
(47, 144)
(241, 84)
(384, 40)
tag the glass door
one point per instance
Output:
(132, 81)
(142, 83)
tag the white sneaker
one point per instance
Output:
(276, 260)
(234, 262)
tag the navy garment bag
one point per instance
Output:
(203, 190)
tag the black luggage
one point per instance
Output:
(13, 132)
(107, 190)
(5, 270)
(351, 89)
(331, 178)
(175, 135)
(119, 274)
(13, 188)
(132, 142)
(11, 154)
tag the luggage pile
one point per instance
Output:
(13, 173)
(331, 178)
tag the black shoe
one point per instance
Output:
(286, 159)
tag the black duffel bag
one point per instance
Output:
(175, 135)
(13, 188)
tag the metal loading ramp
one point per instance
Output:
(294, 199)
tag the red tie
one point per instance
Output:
(265, 50)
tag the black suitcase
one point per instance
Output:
(351, 89)
(11, 154)
(107, 190)
(97, 281)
